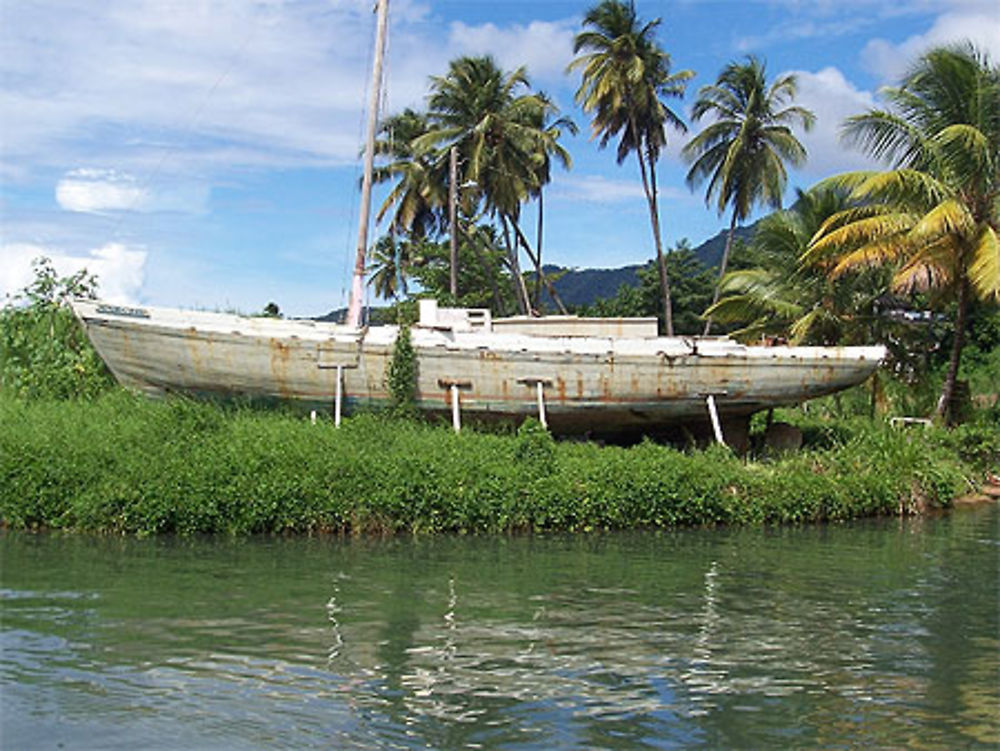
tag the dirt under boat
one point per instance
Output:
(582, 376)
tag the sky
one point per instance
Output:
(205, 153)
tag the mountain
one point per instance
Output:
(579, 287)
(710, 251)
(584, 286)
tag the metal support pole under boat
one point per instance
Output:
(340, 396)
(454, 387)
(539, 384)
(358, 280)
(456, 417)
(714, 414)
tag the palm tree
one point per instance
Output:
(934, 218)
(551, 129)
(625, 79)
(392, 261)
(419, 195)
(504, 146)
(782, 297)
(743, 152)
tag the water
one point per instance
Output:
(871, 635)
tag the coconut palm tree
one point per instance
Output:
(499, 128)
(743, 152)
(782, 297)
(625, 78)
(420, 193)
(387, 269)
(934, 218)
(551, 128)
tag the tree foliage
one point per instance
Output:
(743, 152)
(934, 217)
(506, 137)
(625, 82)
(691, 292)
(44, 352)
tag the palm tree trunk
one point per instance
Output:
(649, 186)
(948, 389)
(722, 270)
(520, 290)
(538, 245)
(537, 263)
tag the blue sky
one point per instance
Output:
(204, 153)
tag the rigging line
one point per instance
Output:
(169, 151)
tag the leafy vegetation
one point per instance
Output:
(934, 219)
(742, 153)
(122, 463)
(44, 353)
(625, 80)
(402, 373)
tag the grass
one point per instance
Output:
(124, 464)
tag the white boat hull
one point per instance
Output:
(590, 384)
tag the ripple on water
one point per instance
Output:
(867, 635)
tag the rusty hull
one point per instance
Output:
(595, 385)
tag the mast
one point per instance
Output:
(358, 280)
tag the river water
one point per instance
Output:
(876, 634)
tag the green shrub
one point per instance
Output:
(402, 373)
(44, 352)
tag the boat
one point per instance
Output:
(602, 377)
(598, 377)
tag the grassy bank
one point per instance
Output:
(120, 463)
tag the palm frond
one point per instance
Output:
(879, 251)
(950, 217)
(932, 268)
(984, 271)
(842, 233)
(903, 187)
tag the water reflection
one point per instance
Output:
(860, 635)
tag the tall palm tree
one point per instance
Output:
(420, 193)
(742, 153)
(625, 79)
(551, 128)
(498, 126)
(934, 218)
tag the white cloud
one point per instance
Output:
(223, 84)
(600, 189)
(971, 21)
(832, 98)
(544, 48)
(799, 28)
(95, 191)
(120, 270)
(125, 79)
(92, 191)
(597, 189)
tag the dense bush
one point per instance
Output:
(127, 464)
(44, 352)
